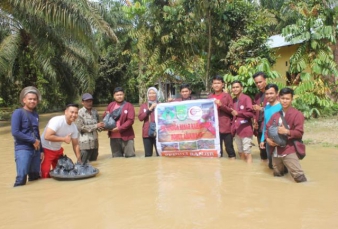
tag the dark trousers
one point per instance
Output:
(149, 145)
(269, 154)
(120, 148)
(89, 155)
(263, 153)
(228, 142)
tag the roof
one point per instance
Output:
(277, 41)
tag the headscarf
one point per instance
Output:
(155, 90)
(29, 89)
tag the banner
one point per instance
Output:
(188, 128)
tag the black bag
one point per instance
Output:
(65, 163)
(110, 119)
(152, 130)
(280, 139)
(298, 143)
(109, 122)
(117, 113)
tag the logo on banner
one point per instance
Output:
(195, 113)
(182, 112)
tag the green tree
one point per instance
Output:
(282, 12)
(53, 39)
(195, 39)
(247, 70)
(316, 29)
(115, 68)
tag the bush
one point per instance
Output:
(330, 111)
(4, 115)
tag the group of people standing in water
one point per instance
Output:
(240, 118)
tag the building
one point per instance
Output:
(284, 51)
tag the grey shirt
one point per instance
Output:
(87, 126)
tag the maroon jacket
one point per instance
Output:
(126, 120)
(258, 101)
(144, 115)
(224, 113)
(295, 120)
(242, 122)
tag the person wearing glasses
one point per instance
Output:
(59, 129)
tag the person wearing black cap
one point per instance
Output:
(88, 125)
(122, 136)
(25, 130)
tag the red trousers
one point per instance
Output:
(50, 159)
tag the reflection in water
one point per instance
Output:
(172, 193)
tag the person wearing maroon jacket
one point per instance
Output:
(185, 92)
(259, 104)
(286, 156)
(241, 124)
(122, 136)
(224, 107)
(147, 115)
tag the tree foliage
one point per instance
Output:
(247, 70)
(66, 47)
(51, 42)
(315, 28)
(195, 39)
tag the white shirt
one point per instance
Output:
(62, 129)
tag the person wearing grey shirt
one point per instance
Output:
(88, 125)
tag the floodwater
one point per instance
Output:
(172, 192)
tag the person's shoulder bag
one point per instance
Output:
(110, 119)
(280, 139)
(152, 128)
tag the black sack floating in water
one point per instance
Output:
(67, 170)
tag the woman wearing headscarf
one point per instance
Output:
(25, 130)
(147, 115)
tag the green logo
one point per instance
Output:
(182, 112)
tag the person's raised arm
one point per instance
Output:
(50, 135)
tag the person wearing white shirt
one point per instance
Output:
(58, 130)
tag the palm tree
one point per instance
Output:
(55, 35)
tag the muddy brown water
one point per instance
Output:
(163, 192)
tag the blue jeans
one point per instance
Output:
(27, 163)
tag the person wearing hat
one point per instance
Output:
(59, 129)
(25, 130)
(122, 136)
(147, 116)
(88, 125)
